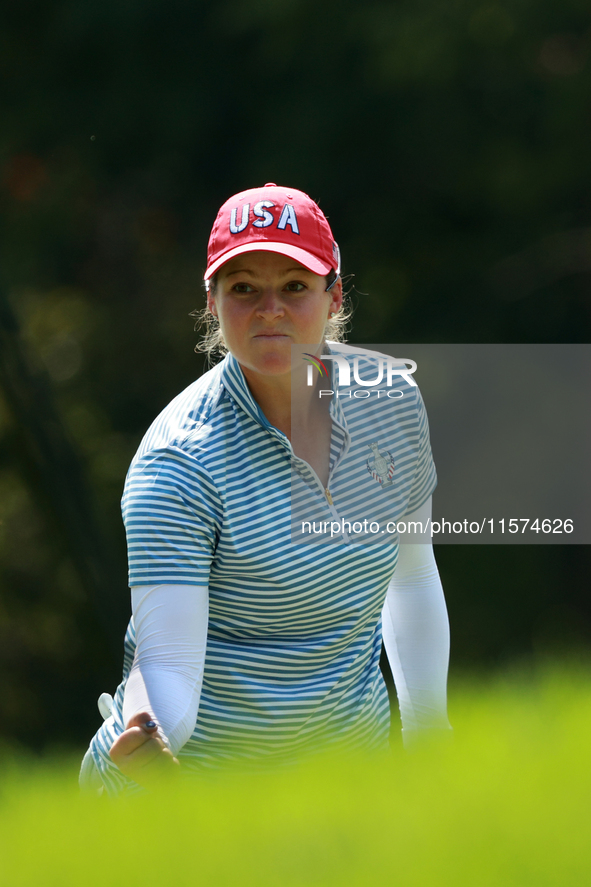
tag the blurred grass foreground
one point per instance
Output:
(507, 802)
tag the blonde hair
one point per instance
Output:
(212, 341)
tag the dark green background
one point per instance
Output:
(449, 144)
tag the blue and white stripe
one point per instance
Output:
(294, 634)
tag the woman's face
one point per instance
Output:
(265, 303)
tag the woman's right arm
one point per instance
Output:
(173, 515)
(164, 684)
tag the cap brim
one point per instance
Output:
(309, 261)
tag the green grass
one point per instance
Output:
(508, 802)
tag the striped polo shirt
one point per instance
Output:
(297, 581)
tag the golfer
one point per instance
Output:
(261, 512)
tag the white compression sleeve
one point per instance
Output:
(167, 672)
(416, 636)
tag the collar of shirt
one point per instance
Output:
(233, 380)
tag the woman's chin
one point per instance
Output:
(273, 367)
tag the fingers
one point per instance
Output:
(147, 753)
(140, 730)
(140, 753)
(142, 719)
(148, 764)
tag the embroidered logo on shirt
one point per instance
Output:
(382, 469)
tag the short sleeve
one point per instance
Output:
(172, 514)
(425, 476)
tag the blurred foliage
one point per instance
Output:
(449, 144)
(504, 802)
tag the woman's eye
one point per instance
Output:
(243, 288)
(295, 287)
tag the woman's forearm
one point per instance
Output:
(416, 637)
(167, 672)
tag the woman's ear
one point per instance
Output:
(336, 293)
(211, 303)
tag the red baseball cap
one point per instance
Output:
(277, 220)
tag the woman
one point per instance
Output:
(252, 638)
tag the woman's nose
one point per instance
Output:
(270, 304)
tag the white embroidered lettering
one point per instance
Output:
(288, 217)
(234, 228)
(264, 217)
